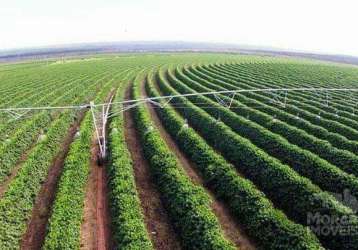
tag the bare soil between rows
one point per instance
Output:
(89, 223)
(96, 226)
(231, 228)
(36, 228)
(103, 212)
(156, 218)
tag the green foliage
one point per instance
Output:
(324, 174)
(26, 132)
(65, 221)
(18, 201)
(258, 101)
(187, 204)
(328, 126)
(343, 159)
(289, 191)
(16, 205)
(317, 105)
(127, 219)
(321, 144)
(270, 228)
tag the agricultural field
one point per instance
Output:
(231, 170)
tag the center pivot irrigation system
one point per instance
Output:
(102, 112)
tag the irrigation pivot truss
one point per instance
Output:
(103, 111)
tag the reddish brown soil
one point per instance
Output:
(89, 224)
(96, 225)
(95, 229)
(103, 212)
(229, 225)
(157, 222)
(36, 228)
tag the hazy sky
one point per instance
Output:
(312, 25)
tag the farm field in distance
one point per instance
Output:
(232, 170)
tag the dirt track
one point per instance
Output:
(103, 213)
(158, 224)
(96, 225)
(95, 229)
(89, 224)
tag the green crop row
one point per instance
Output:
(279, 80)
(67, 212)
(343, 159)
(294, 194)
(21, 94)
(270, 228)
(127, 219)
(17, 203)
(24, 137)
(187, 204)
(12, 96)
(309, 105)
(18, 200)
(30, 80)
(330, 125)
(282, 79)
(319, 132)
(49, 91)
(297, 98)
(336, 99)
(45, 97)
(322, 173)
